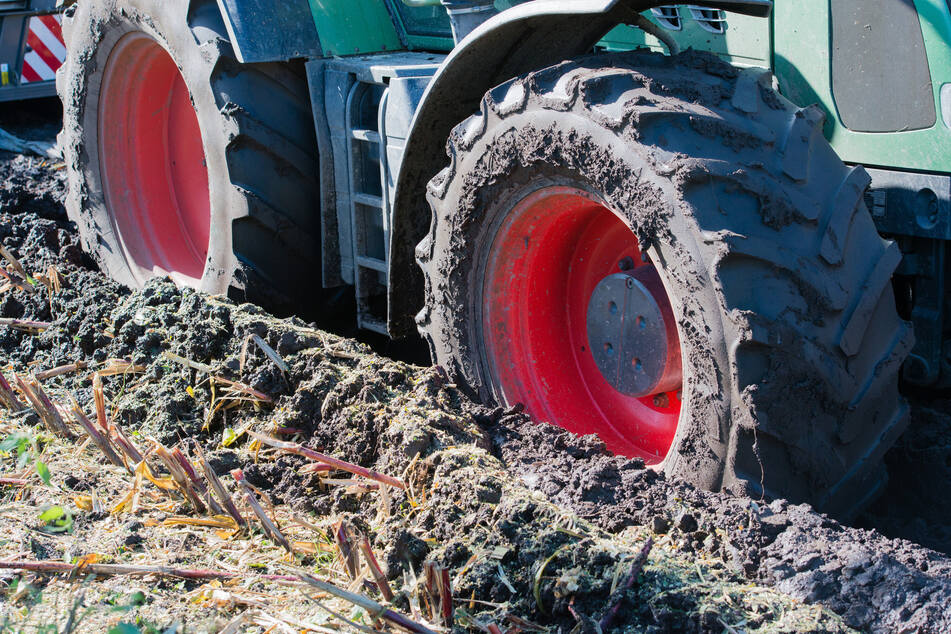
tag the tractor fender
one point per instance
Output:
(524, 38)
(268, 31)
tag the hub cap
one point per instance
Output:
(631, 333)
(557, 262)
(152, 161)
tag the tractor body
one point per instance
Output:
(676, 251)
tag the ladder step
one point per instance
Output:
(368, 199)
(366, 135)
(371, 263)
(375, 325)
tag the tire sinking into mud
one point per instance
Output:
(184, 162)
(775, 371)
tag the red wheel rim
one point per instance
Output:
(153, 165)
(548, 256)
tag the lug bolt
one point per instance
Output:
(661, 400)
(626, 264)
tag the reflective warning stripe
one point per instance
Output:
(48, 30)
(48, 51)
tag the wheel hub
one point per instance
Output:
(629, 333)
(556, 263)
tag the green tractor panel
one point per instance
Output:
(639, 220)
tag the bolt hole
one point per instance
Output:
(608, 349)
(612, 308)
(638, 366)
(641, 322)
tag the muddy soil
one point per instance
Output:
(525, 516)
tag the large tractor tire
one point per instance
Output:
(184, 162)
(667, 253)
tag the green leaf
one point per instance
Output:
(228, 436)
(52, 514)
(16, 441)
(57, 519)
(43, 471)
(125, 628)
(137, 598)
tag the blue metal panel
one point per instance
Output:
(269, 31)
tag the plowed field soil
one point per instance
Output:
(532, 528)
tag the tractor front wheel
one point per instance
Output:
(665, 252)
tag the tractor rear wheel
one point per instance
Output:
(184, 162)
(667, 253)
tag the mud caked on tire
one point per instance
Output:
(778, 282)
(184, 162)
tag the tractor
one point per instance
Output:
(705, 233)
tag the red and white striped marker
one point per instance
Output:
(48, 51)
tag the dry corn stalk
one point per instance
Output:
(41, 403)
(124, 444)
(343, 465)
(57, 371)
(57, 567)
(269, 526)
(375, 609)
(8, 398)
(25, 325)
(129, 450)
(218, 521)
(271, 353)
(636, 566)
(439, 592)
(181, 479)
(16, 282)
(231, 387)
(349, 555)
(112, 367)
(15, 263)
(189, 469)
(375, 570)
(236, 390)
(98, 437)
(219, 490)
